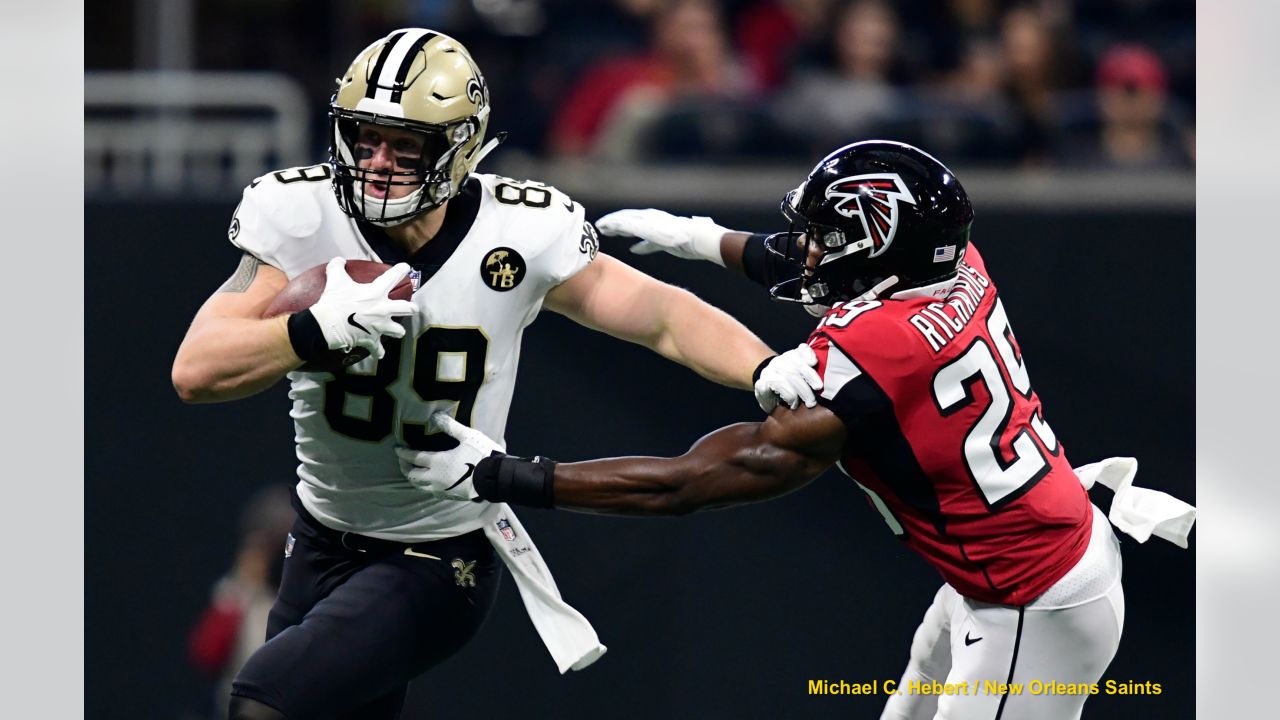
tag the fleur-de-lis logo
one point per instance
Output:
(477, 92)
(464, 572)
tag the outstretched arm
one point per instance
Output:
(695, 238)
(742, 463)
(611, 296)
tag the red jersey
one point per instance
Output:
(948, 440)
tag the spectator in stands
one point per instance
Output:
(949, 28)
(1038, 58)
(234, 623)
(690, 56)
(1135, 129)
(979, 76)
(967, 115)
(576, 36)
(825, 107)
(770, 34)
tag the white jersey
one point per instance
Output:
(504, 244)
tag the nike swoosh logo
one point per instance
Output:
(410, 552)
(969, 641)
(569, 205)
(351, 320)
(470, 469)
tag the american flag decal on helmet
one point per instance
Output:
(873, 198)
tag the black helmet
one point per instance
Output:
(876, 209)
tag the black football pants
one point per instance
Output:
(357, 618)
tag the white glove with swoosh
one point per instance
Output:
(356, 315)
(789, 378)
(692, 238)
(447, 473)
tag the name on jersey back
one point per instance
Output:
(940, 322)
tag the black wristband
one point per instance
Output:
(305, 336)
(754, 260)
(755, 376)
(522, 481)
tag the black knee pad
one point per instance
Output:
(243, 708)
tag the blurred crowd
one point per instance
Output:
(1063, 83)
(234, 622)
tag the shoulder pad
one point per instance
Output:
(869, 329)
(289, 199)
(529, 194)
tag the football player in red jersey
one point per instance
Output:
(926, 403)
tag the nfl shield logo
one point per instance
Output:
(505, 528)
(288, 546)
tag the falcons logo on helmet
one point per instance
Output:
(874, 199)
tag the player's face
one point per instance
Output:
(813, 253)
(383, 151)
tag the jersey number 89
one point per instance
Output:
(448, 364)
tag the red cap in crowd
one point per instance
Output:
(1132, 66)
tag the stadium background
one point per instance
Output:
(727, 614)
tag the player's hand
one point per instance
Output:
(356, 315)
(448, 473)
(789, 378)
(692, 238)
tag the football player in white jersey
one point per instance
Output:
(384, 579)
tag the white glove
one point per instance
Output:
(692, 238)
(790, 379)
(447, 474)
(356, 315)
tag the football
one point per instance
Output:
(304, 290)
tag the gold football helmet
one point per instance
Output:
(415, 81)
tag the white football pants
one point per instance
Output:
(1065, 637)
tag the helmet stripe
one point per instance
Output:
(409, 57)
(394, 55)
(372, 80)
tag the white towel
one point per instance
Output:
(1139, 512)
(567, 634)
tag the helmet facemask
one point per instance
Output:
(427, 166)
(828, 260)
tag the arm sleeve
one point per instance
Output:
(757, 265)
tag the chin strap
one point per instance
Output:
(818, 310)
(489, 147)
(878, 288)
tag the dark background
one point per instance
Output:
(726, 614)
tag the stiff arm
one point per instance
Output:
(613, 297)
